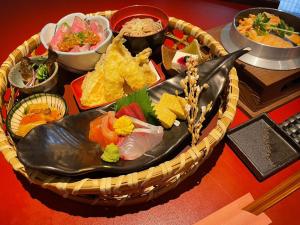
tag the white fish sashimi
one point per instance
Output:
(140, 140)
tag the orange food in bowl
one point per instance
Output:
(268, 29)
(37, 114)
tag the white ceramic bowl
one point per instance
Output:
(78, 61)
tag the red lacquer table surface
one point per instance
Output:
(222, 179)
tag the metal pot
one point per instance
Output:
(263, 56)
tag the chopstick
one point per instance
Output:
(275, 195)
(170, 35)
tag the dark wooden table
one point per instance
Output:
(220, 180)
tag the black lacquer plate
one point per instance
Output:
(63, 147)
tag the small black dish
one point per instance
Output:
(263, 146)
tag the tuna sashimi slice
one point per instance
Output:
(140, 141)
(78, 25)
(126, 110)
(59, 35)
(95, 27)
(138, 111)
(83, 48)
(133, 110)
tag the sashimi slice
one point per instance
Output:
(104, 133)
(141, 124)
(100, 131)
(138, 111)
(83, 48)
(109, 135)
(78, 25)
(125, 111)
(75, 49)
(111, 119)
(140, 141)
(95, 130)
(59, 35)
(95, 27)
(121, 140)
(132, 110)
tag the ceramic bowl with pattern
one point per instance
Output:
(17, 113)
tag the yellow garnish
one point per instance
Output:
(123, 126)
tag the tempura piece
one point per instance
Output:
(92, 87)
(116, 73)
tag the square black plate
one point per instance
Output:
(263, 146)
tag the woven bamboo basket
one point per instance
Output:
(135, 187)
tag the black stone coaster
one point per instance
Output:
(263, 146)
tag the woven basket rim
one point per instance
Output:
(135, 181)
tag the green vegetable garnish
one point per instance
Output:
(142, 98)
(261, 22)
(42, 72)
(111, 153)
(283, 29)
(81, 36)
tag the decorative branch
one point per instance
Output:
(192, 93)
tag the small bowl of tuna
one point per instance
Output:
(78, 39)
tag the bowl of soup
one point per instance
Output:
(142, 26)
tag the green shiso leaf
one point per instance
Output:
(142, 98)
